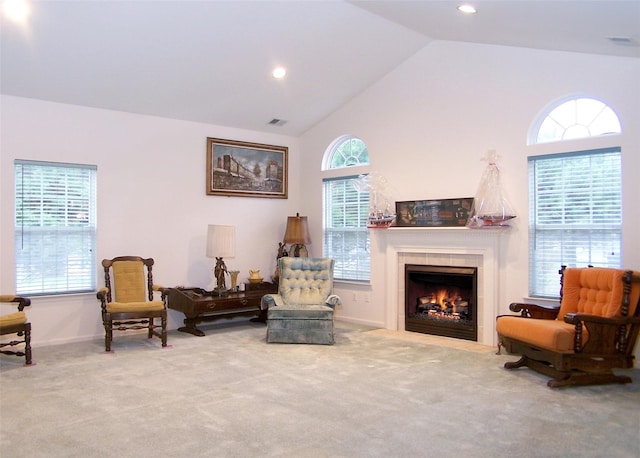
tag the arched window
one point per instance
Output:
(575, 197)
(346, 151)
(578, 117)
(346, 209)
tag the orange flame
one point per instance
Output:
(446, 297)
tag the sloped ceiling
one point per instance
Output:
(210, 61)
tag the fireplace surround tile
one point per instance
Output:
(459, 247)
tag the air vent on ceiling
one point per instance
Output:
(277, 122)
(623, 41)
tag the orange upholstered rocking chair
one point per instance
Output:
(593, 330)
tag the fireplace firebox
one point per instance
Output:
(441, 300)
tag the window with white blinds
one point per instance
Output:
(575, 214)
(346, 237)
(55, 228)
(346, 209)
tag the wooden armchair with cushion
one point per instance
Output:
(16, 323)
(593, 330)
(302, 311)
(129, 303)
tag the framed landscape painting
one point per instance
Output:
(236, 168)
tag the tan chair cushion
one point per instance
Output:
(129, 281)
(553, 335)
(144, 306)
(12, 319)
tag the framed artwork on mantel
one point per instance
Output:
(433, 213)
(236, 168)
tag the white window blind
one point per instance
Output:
(55, 227)
(346, 238)
(575, 214)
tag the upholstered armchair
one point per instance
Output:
(129, 302)
(16, 323)
(302, 311)
(592, 331)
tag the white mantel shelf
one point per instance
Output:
(490, 229)
(451, 246)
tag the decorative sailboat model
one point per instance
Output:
(490, 207)
(381, 213)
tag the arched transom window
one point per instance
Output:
(577, 118)
(346, 151)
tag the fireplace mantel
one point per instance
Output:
(451, 246)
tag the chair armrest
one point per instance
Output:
(162, 290)
(607, 335)
(158, 288)
(102, 294)
(270, 300)
(575, 318)
(333, 300)
(542, 312)
(21, 301)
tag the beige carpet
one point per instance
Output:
(458, 344)
(374, 393)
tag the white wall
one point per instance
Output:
(428, 123)
(151, 200)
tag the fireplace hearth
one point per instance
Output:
(441, 300)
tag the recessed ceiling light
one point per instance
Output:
(16, 10)
(466, 9)
(279, 72)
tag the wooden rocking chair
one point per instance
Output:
(593, 331)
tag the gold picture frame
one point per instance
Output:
(243, 169)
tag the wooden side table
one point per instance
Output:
(200, 306)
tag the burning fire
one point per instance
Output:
(447, 298)
(443, 303)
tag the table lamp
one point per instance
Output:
(297, 235)
(221, 243)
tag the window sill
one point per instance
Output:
(52, 296)
(353, 282)
(542, 300)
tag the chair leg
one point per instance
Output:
(108, 335)
(163, 322)
(542, 367)
(151, 326)
(516, 364)
(585, 378)
(27, 343)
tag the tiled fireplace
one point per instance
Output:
(441, 300)
(447, 247)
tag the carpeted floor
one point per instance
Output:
(374, 393)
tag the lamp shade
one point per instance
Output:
(297, 232)
(221, 241)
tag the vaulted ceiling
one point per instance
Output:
(211, 61)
